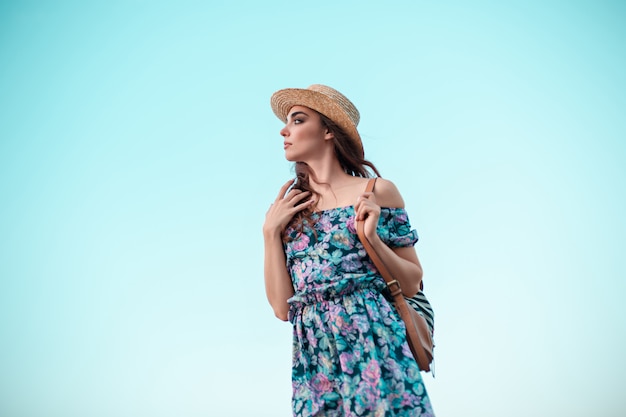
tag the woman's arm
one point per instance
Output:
(278, 286)
(402, 263)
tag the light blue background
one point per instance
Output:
(138, 155)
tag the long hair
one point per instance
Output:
(348, 155)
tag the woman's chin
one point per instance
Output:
(290, 157)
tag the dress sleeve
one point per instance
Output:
(394, 228)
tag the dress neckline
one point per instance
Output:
(351, 206)
(335, 208)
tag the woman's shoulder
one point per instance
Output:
(387, 194)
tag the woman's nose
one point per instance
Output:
(284, 132)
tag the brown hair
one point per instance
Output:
(348, 153)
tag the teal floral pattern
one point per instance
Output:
(350, 356)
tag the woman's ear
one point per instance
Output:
(329, 135)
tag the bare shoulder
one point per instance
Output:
(387, 194)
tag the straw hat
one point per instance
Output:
(325, 100)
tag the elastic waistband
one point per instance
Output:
(335, 290)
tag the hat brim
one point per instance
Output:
(283, 100)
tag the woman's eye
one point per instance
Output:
(297, 121)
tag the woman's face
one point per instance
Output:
(304, 134)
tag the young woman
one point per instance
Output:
(350, 355)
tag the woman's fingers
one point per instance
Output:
(366, 205)
(284, 188)
(286, 194)
(367, 197)
(288, 200)
(297, 197)
(369, 213)
(287, 203)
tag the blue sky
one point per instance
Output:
(138, 154)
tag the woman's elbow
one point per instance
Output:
(281, 313)
(415, 285)
(420, 275)
(281, 316)
(410, 292)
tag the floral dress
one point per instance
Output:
(350, 355)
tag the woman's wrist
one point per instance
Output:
(270, 233)
(376, 242)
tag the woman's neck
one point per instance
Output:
(327, 173)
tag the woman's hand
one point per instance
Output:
(284, 207)
(366, 209)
